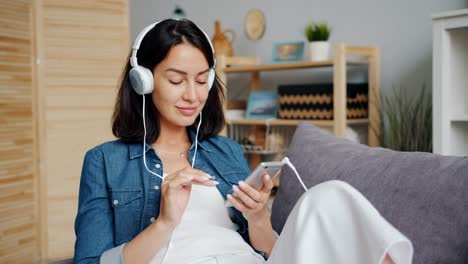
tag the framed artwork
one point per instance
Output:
(288, 51)
(262, 105)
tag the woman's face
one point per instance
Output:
(180, 85)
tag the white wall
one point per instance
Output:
(401, 28)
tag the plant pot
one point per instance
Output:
(319, 50)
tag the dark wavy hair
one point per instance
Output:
(127, 121)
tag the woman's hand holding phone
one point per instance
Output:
(250, 201)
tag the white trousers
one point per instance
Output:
(334, 223)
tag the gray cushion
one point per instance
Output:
(422, 194)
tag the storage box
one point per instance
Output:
(315, 101)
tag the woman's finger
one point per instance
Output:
(180, 181)
(206, 183)
(171, 176)
(198, 177)
(267, 184)
(236, 203)
(254, 194)
(200, 173)
(246, 199)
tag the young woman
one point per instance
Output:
(157, 194)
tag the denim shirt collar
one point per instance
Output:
(135, 148)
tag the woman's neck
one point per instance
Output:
(172, 138)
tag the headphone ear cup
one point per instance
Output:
(141, 79)
(211, 78)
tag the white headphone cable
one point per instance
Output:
(286, 161)
(196, 141)
(144, 143)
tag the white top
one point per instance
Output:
(204, 230)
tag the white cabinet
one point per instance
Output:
(450, 83)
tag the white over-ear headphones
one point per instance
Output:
(141, 78)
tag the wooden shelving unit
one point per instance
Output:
(370, 55)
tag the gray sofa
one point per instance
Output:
(422, 194)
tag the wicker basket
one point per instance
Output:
(315, 101)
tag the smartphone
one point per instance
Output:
(255, 179)
(271, 168)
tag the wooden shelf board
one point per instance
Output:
(287, 66)
(293, 122)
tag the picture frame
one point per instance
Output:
(262, 105)
(288, 51)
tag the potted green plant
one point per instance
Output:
(407, 120)
(318, 34)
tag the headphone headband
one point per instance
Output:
(137, 43)
(144, 31)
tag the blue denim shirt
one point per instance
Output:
(118, 196)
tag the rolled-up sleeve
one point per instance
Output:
(94, 220)
(113, 255)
